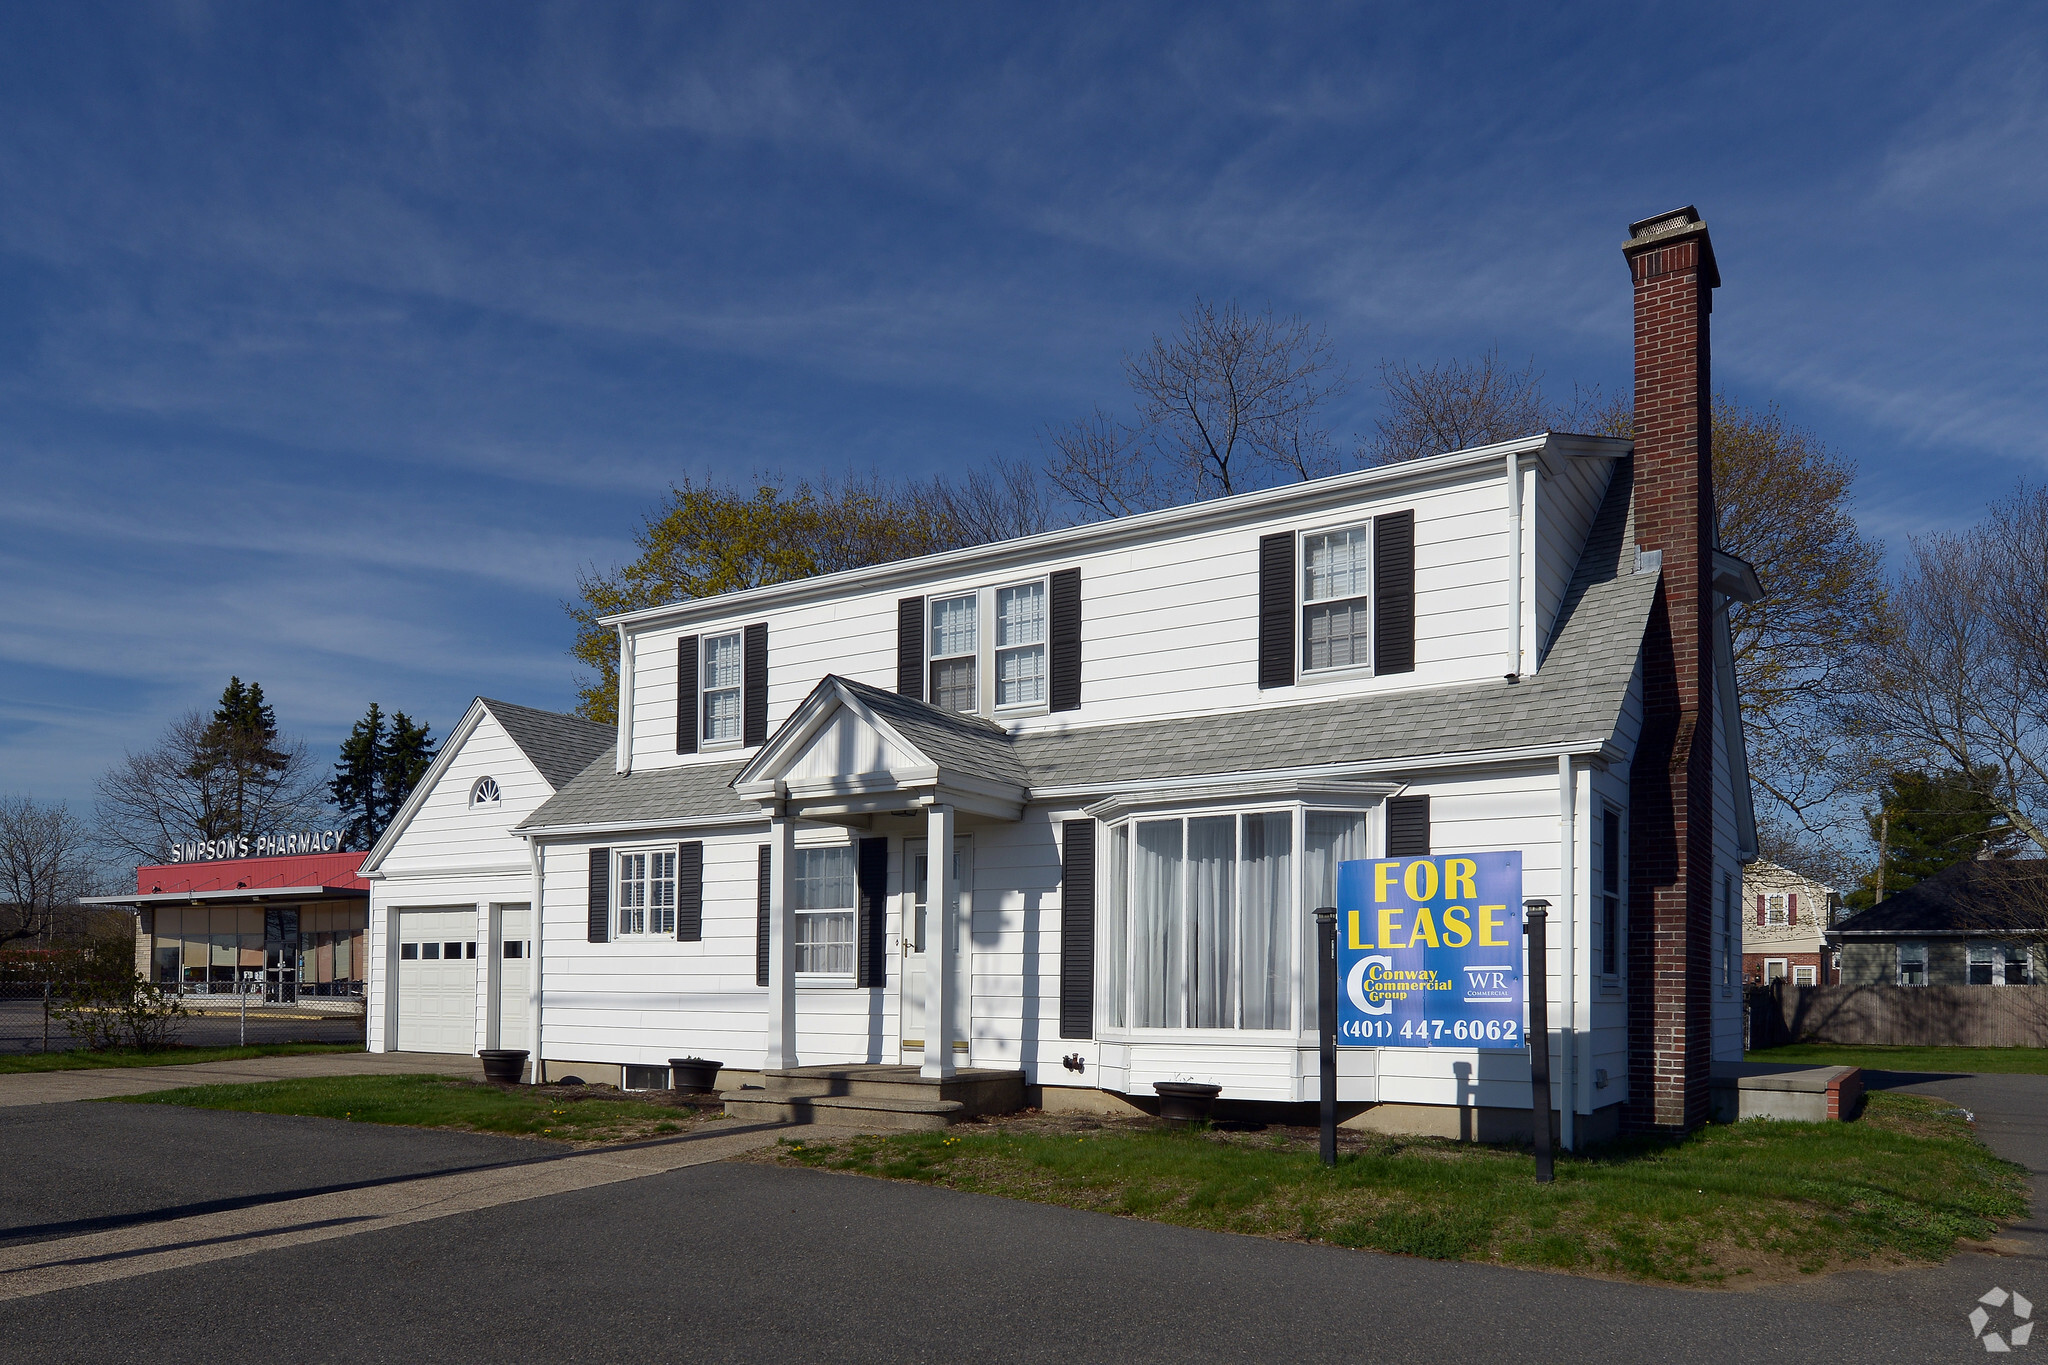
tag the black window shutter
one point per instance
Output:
(690, 892)
(1408, 827)
(600, 895)
(1065, 651)
(1276, 610)
(870, 932)
(910, 647)
(686, 695)
(1077, 929)
(754, 686)
(1393, 583)
(761, 917)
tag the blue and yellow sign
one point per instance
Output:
(1429, 951)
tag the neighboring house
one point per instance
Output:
(1784, 932)
(1979, 923)
(1142, 748)
(451, 885)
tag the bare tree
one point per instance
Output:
(46, 863)
(182, 789)
(1959, 678)
(1229, 403)
(1454, 405)
(998, 501)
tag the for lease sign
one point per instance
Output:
(1429, 951)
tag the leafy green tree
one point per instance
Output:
(714, 538)
(1926, 823)
(382, 760)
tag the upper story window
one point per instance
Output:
(485, 792)
(1020, 645)
(1336, 574)
(822, 883)
(955, 652)
(647, 892)
(1774, 910)
(722, 670)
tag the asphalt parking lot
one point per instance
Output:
(739, 1262)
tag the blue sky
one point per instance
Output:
(334, 338)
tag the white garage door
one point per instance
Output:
(437, 968)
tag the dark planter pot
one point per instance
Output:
(505, 1065)
(693, 1073)
(1186, 1101)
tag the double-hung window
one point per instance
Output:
(1912, 964)
(823, 886)
(1774, 910)
(1336, 573)
(1728, 932)
(955, 651)
(647, 892)
(722, 670)
(1020, 645)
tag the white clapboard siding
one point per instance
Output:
(1566, 504)
(446, 832)
(1184, 606)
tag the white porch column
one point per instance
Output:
(781, 945)
(938, 951)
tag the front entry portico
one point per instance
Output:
(868, 760)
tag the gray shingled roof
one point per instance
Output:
(601, 796)
(560, 746)
(965, 744)
(1991, 895)
(1575, 698)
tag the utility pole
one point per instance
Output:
(1884, 838)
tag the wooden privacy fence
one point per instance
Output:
(1900, 1016)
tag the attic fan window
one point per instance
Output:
(722, 688)
(953, 648)
(1336, 569)
(485, 792)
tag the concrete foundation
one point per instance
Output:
(1802, 1094)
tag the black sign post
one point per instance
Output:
(1535, 921)
(1326, 1024)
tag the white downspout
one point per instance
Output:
(1567, 885)
(534, 923)
(1515, 565)
(624, 764)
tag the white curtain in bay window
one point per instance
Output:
(1115, 939)
(1212, 877)
(1328, 838)
(1265, 966)
(1158, 946)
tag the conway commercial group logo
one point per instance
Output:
(2015, 1335)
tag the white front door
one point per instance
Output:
(911, 944)
(437, 980)
(515, 963)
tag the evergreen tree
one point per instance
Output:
(238, 756)
(382, 760)
(407, 755)
(355, 782)
(1926, 823)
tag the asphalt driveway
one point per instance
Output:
(747, 1263)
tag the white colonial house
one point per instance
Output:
(1143, 746)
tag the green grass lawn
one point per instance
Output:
(1731, 1204)
(2027, 1061)
(83, 1060)
(438, 1102)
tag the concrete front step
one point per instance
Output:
(978, 1090)
(845, 1111)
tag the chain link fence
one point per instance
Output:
(215, 1014)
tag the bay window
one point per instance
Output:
(1205, 918)
(822, 887)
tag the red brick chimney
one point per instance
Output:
(1671, 783)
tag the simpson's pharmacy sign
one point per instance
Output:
(262, 846)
